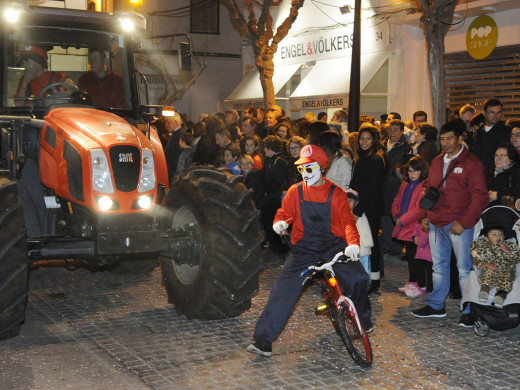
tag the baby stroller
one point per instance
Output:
(487, 316)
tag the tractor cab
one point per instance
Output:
(79, 58)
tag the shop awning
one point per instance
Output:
(327, 84)
(249, 91)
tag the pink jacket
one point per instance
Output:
(423, 244)
(409, 219)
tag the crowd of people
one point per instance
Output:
(384, 168)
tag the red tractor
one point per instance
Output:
(88, 182)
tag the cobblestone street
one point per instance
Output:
(102, 330)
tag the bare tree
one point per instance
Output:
(175, 86)
(260, 32)
(436, 19)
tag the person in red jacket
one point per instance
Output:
(463, 197)
(323, 225)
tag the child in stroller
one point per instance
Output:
(497, 260)
(487, 314)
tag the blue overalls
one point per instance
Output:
(318, 244)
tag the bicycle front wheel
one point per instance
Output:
(333, 314)
(354, 337)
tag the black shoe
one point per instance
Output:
(367, 325)
(466, 321)
(261, 347)
(429, 312)
(374, 286)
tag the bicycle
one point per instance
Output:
(342, 312)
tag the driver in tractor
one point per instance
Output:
(102, 84)
(323, 225)
(36, 77)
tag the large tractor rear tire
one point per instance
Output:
(217, 276)
(13, 260)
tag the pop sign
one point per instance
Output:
(482, 37)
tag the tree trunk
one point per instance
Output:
(438, 79)
(436, 20)
(265, 66)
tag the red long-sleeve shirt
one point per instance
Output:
(343, 224)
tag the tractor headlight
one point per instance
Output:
(12, 12)
(144, 201)
(127, 24)
(147, 181)
(105, 203)
(101, 176)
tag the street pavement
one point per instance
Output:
(87, 330)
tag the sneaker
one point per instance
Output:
(414, 291)
(403, 288)
(483, 296)
(429, 312)
(260, 347)
(498, 301)
(466, 321)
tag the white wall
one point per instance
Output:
(408, 77)
(221, 75)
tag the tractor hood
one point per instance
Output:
(103, 128)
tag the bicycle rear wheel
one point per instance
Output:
(355, 338)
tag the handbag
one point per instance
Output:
(433, 194)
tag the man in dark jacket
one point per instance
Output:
(494, 133)
(275, 174)
(397, 148)
(450, 223)
(173, 125)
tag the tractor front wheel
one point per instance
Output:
(217, 276)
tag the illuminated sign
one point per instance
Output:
(333, 43)
(481, 37)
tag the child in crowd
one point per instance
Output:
(406, 213)
(497, 260)
(231, 153)
(252, 178)
(365, 236)
(185, 157)
(253, 147)
(423, 259)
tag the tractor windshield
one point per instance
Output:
(50, 65)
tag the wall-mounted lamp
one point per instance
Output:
(345, 9)
(488, 8)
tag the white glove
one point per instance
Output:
(280, 226)
(352, 252)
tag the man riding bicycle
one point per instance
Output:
(323, 225)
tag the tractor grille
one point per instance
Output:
(126, 164)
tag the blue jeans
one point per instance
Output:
(365, 261)
(441, 242)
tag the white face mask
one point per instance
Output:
(311, 177)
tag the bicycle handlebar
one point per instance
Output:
(326, 266)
